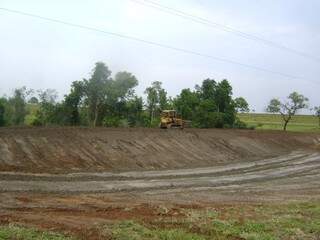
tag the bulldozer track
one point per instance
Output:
(287, 168)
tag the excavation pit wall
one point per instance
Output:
(76, 149)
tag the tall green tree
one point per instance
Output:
(186, 103)
(71, 104)
(2, 111)
(17, 103)
(95, 90)
(223, 96)
(208, 90)
(288, 109)
(241, 105)
(48, 113)
(156, 99)
(134, 108)
(123, 86)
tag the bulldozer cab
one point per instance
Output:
(169, 114)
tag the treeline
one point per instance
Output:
(103, 100)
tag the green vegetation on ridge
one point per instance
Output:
(263, 121)
(111, 101)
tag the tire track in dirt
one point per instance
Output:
(285, 168)
(216, 171)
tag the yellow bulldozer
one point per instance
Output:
(170, 119)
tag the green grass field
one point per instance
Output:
(14, 232)
(292, 221)
(299, 123)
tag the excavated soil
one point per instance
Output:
(77, 179)
(65, 150)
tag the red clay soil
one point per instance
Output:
(63, 150)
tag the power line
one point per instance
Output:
(149, 42)
(209, 23)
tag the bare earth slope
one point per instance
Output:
(66, 150)
(77, 179)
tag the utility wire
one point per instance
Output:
(208, 23)
(150, 42)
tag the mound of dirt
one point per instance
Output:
(64, 150)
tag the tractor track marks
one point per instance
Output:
(278, 171)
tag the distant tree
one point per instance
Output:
(119, 92)
(134, 108)
(33, 100)
(241, 105)
(186, 103)
(18, 106)
(95, 90)
(208, 90)
(223, 95)
(317, 113)
(48, 95)
(123, 86)
(224, 102)
(163, 100)
(2, 111)
(71, 104)
(288, 109)
(156, 99)
(47, 113)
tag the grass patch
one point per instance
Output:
(13, 232)
(299, 123)
(129, 230)
(292, 221)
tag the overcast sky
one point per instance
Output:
(40, 54)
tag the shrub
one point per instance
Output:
(111, 121)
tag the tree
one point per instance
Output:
(119, 92)
(186, 103)
(224, 102)
(317, 113)
(2, 111)
(95, 90)
(288, 109)
(208, 89)
(241, 105)
(47, 113)
(223, 96)
(163, 100)
(134, 111)
(123, 85)
(33, 100)
(156, 99)
(18, 106)
(71, 104)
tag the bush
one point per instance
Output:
(259, 124)
(35, 121)
(124, 123)
(242, 125)
(155, 122)
(209, 120)
(111, 121)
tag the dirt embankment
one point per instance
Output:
(63, 150)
